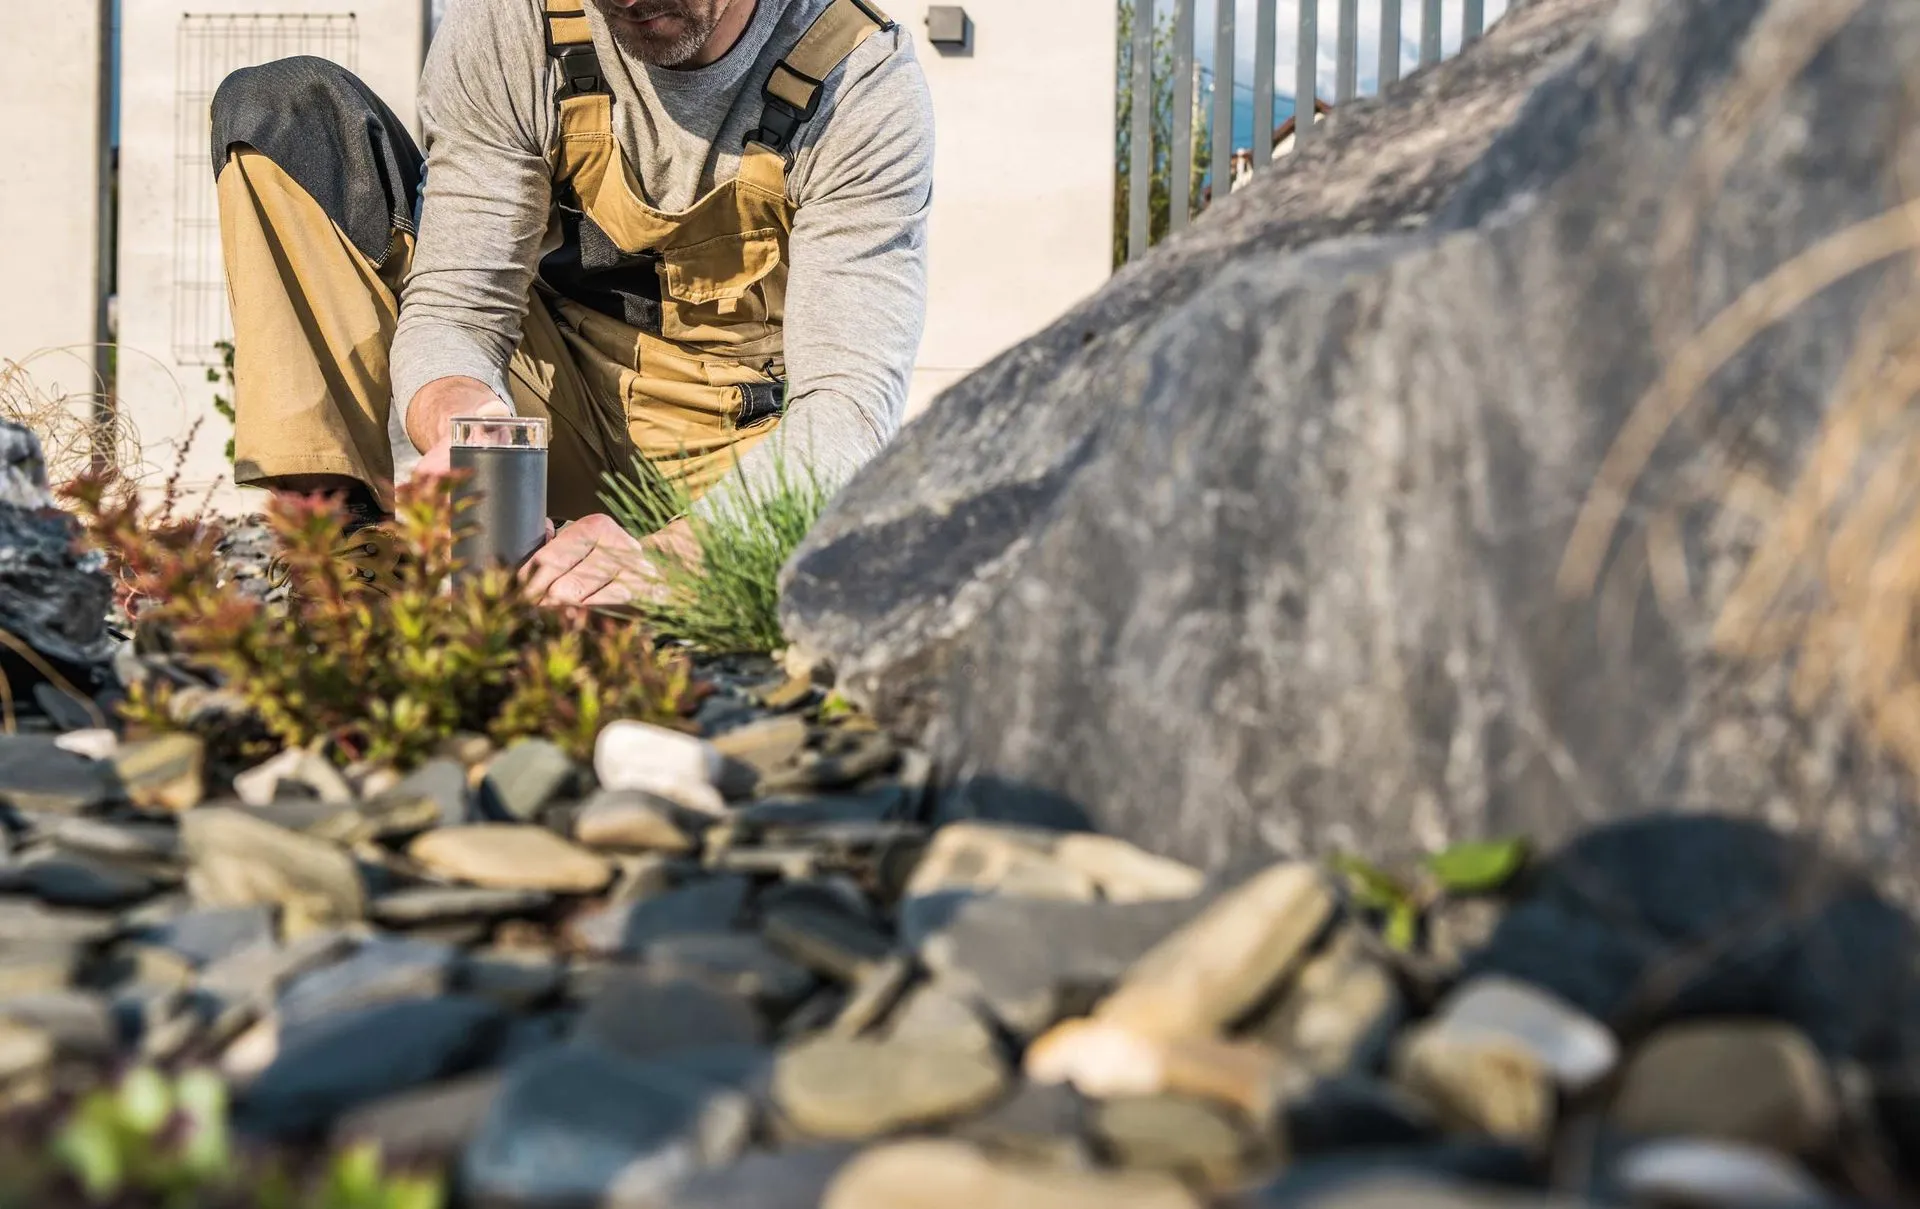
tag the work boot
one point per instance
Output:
(374, 555)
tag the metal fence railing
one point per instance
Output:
(1177, 137)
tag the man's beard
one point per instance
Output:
(692, 23)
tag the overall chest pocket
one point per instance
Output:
(723, 291)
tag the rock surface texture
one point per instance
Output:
(51, 598)
(1288, 539)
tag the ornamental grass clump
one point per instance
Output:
(727, 599)
(384, 677)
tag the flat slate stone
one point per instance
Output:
(573, 1126)
(787, 1179)
(341, 1061)
(65, 880)
(525, 778)
(1044, 1122)
(209, 934)
(507, 856)
(432, 1123)
(707, 907)
(382, 969)
(420, 905)
(38, 777)
(441, 782)
(1033, 962)
(640, 1014)
(116, 840)
(743, 964)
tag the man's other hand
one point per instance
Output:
(595, 563)
(431, 415)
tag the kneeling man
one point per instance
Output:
(692, 231)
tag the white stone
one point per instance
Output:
(1699, 1172)
(680, 767)
(260, 785)
(1103, 1061)
(1576, 1049)
(93, 744)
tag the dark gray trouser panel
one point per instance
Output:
(333, 136)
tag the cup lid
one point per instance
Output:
(499, 432)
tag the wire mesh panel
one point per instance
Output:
(209, 48)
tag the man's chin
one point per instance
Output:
(668, 42)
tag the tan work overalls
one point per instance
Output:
(314, 317)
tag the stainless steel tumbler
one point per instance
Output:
(505, 458)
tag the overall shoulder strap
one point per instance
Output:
(570, 44)
(793, 91)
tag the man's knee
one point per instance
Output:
(255, 104)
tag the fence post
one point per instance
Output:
(1264, 28)
(1180, 155)
(1430, 33)
(1225, 46)
(1473, 20)
(1306, 73)
(1347, 55)
(1389, 42)
(1140, 186)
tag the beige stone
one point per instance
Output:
(511, 857)
(1218, 967)
(954, 1175)
(1005, 859)
(1186, 1137)
(632, 822)
(1338, 1011)
(1751, 1081)
(1124, 873)
(163, 773)
(841, 1088)
(239, 860)
(1111, 1061)
(1480, 1083)
(766, 745)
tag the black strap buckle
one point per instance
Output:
(780, 120)
(579, 71)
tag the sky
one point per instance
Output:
(1287, 21)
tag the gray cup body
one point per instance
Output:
(507, 521)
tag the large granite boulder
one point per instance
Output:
(1289, 539)
(52, 598)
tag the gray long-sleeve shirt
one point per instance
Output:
(860, 178)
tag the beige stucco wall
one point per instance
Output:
(1022, 223)
(164, 138)
(49, 188)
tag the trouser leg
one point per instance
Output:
(317, 182)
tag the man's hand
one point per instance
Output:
(595, 563)
(431, 415)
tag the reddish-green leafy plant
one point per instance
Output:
(382, 676)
